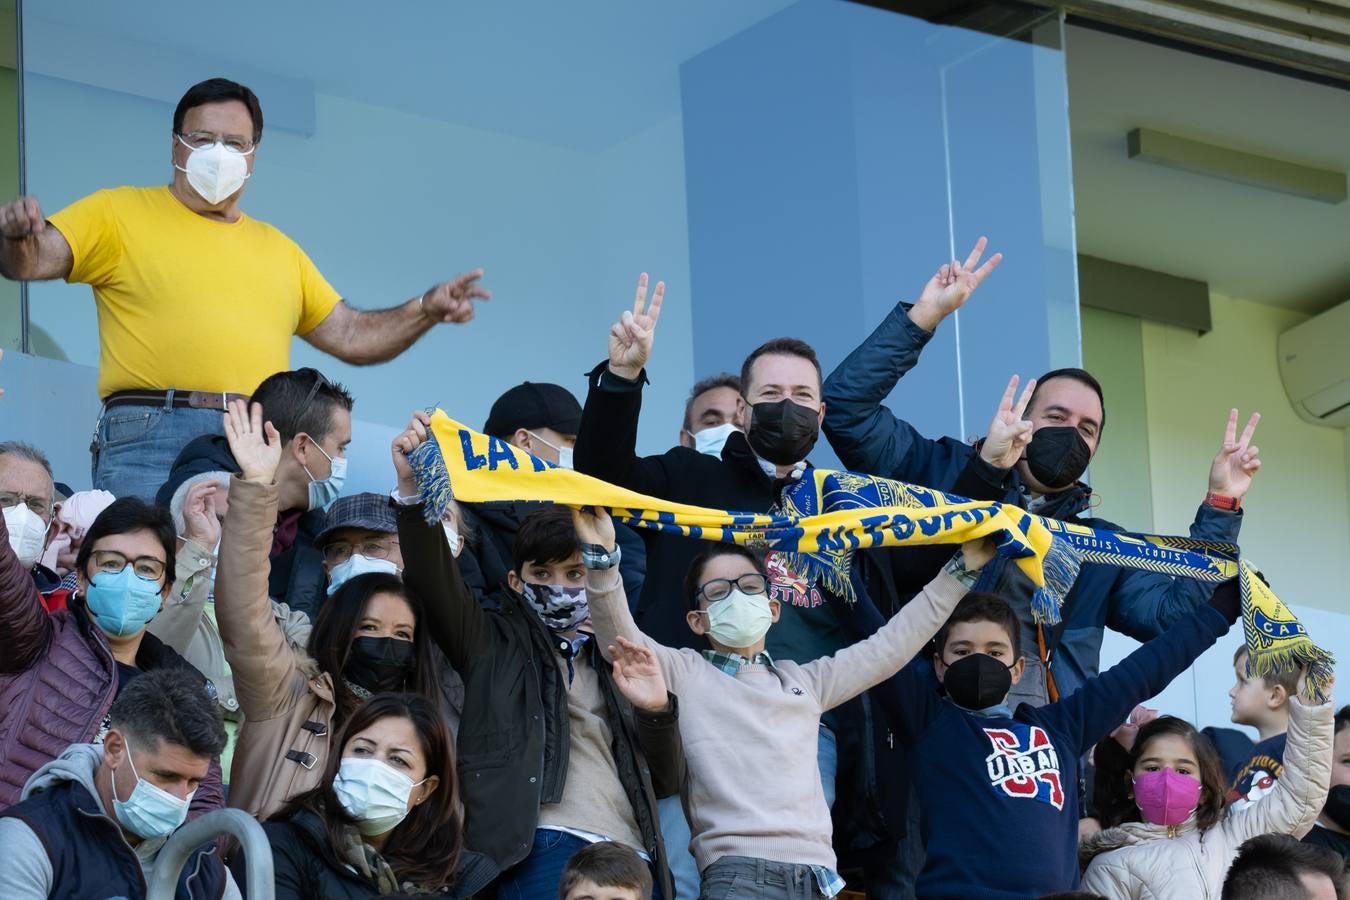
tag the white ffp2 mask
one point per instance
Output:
(215, 171)
(27, 533)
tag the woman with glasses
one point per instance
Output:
(386, 816)
(368, 638)
(61, 671)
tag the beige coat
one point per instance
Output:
(287, 703)
(1139, 860)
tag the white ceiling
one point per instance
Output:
(1246, 242)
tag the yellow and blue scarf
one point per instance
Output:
(824, 517)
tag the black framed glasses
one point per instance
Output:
(721, 588)
(113, 561)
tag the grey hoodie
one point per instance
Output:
(27, 872)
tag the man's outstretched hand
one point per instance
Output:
(630, 339)
(952, 286)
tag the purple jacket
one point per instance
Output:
(58, 679)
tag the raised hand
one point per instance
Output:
(951, 286)
(975, 554)
(1010, 432)
(415, 435)
(21, 218)
(637, 675)
(630, 340)
(452, 301)
(1237, 461)
(1140, 716)
(200, 522)
(594, 526)
(256, 445)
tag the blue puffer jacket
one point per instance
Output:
(869, 438)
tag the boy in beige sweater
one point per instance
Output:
(748, 723)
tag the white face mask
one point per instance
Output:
(358, 564)
(564, 453)
(454, 539)
(27, 533)
(712, 440)
(373, 793)
(215, 171)
(739, 620)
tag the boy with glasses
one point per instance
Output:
(748, 722)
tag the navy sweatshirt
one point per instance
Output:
(998, 797)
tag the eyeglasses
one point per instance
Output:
(341, 551)
(721, 588)
(112, 561)
(39, 505)
(235, 142)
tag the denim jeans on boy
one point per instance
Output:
(744, 877)
(675, 828)
(537, 875)
(134, 446)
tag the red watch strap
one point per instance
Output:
(1222, 501)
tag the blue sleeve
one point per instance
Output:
(1102, 703)
(867, 436)
(632, 562)
(909, 698)
(1144, 605)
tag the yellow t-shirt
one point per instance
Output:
(184, 301)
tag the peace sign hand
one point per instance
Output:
(630, 340)
(1009, 433)
(1237, 461)
(951, 286)
(256, 445)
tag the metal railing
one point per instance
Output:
(204, 829)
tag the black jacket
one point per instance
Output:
(297, 576)
(513, 738)
(306, 866)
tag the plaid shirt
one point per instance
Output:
(731, 662)
(827, 880)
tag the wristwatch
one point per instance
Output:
(594, 556)
(1223, 501)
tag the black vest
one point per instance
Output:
(90, 858)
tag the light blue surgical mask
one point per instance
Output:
(150, 812)
(122, 603)
(357, 564)
(323, 493)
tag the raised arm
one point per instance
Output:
(31, 249)
(867, 436)
(1144, 604)
(261, 662)
(606, 445)
(1102, 703)
(181, 616)
(365, 337)
(836, 679)
(456, 620)
(1295, 802)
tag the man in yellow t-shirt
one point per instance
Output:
(197, 302)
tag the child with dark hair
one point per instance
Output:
(1333, 826)
(605, 871)
(1277, 867)
(1261, 702)
(1180, 838)
(977, 759)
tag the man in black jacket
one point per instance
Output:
(556, 748)
(314, 417)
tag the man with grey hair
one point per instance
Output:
(713, 411)
(94, 819)
(27, 496)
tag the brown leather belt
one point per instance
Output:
(181, 399)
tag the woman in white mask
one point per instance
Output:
(386, 816)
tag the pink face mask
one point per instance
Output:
(1166, 797)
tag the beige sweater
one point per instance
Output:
(753, 785)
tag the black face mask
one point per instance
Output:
(1058, 456)
(379, 664)
(1337, 808)
(977, 681)
(783, 432)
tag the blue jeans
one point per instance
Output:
(537, 875)
(675, 828)
(743, 876)
(134, 447)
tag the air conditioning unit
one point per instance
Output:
(1315, 367)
